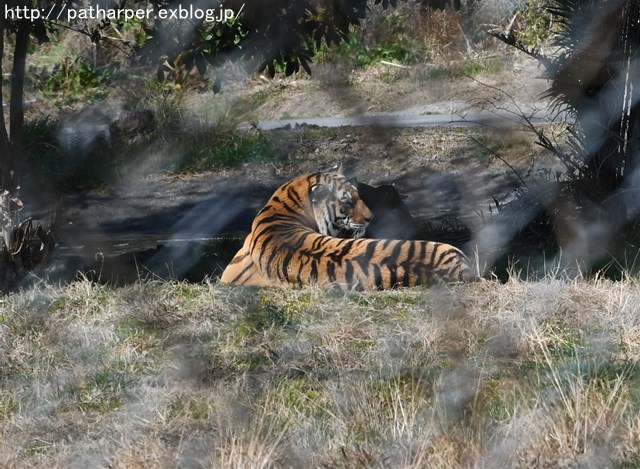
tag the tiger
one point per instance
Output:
(311, 232)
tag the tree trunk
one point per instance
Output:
(16, 110)
(610, 116)
(4, 136)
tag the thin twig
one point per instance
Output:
(495, 154)
(543, 140)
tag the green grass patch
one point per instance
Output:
(186, 407)
(227, 360)
(129, 327)
(244, 106)
(217, 147)
(301, 395)
(499, 398)
(83, 299)
(384, 301)
(267, 315)
(562, 340)
(103, 393)
(8, 404)
(38, 446)
(465, 68)
(364, 55)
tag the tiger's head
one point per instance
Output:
(337, 207)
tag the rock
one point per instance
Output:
(391, 217)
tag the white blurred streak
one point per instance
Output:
(78, 132)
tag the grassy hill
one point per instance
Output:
(520, 374)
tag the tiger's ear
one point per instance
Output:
(336, 168)
(319, 192)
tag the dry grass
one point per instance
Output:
(162, 375)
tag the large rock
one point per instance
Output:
(391, 217)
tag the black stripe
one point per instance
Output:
(331, 271)
(313, 272)
(294, 195)
(432, 260)
(348, 245)
(390, 262)
(392, 258)
(267, 265)
(270, 221)
(294, 210)
(348, 274)
(364, 260)
(417, 267)
(242, 272)
(318, 242)
(285, 264)
(263, 240)
(411, 251)
(445, 253)
(393, 275)
(377, 277)
(338, 256)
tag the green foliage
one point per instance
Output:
(364, 54)
(534, 24)
(391, 38)
(256, 34)
(75, 80)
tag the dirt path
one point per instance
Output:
(415, 118)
